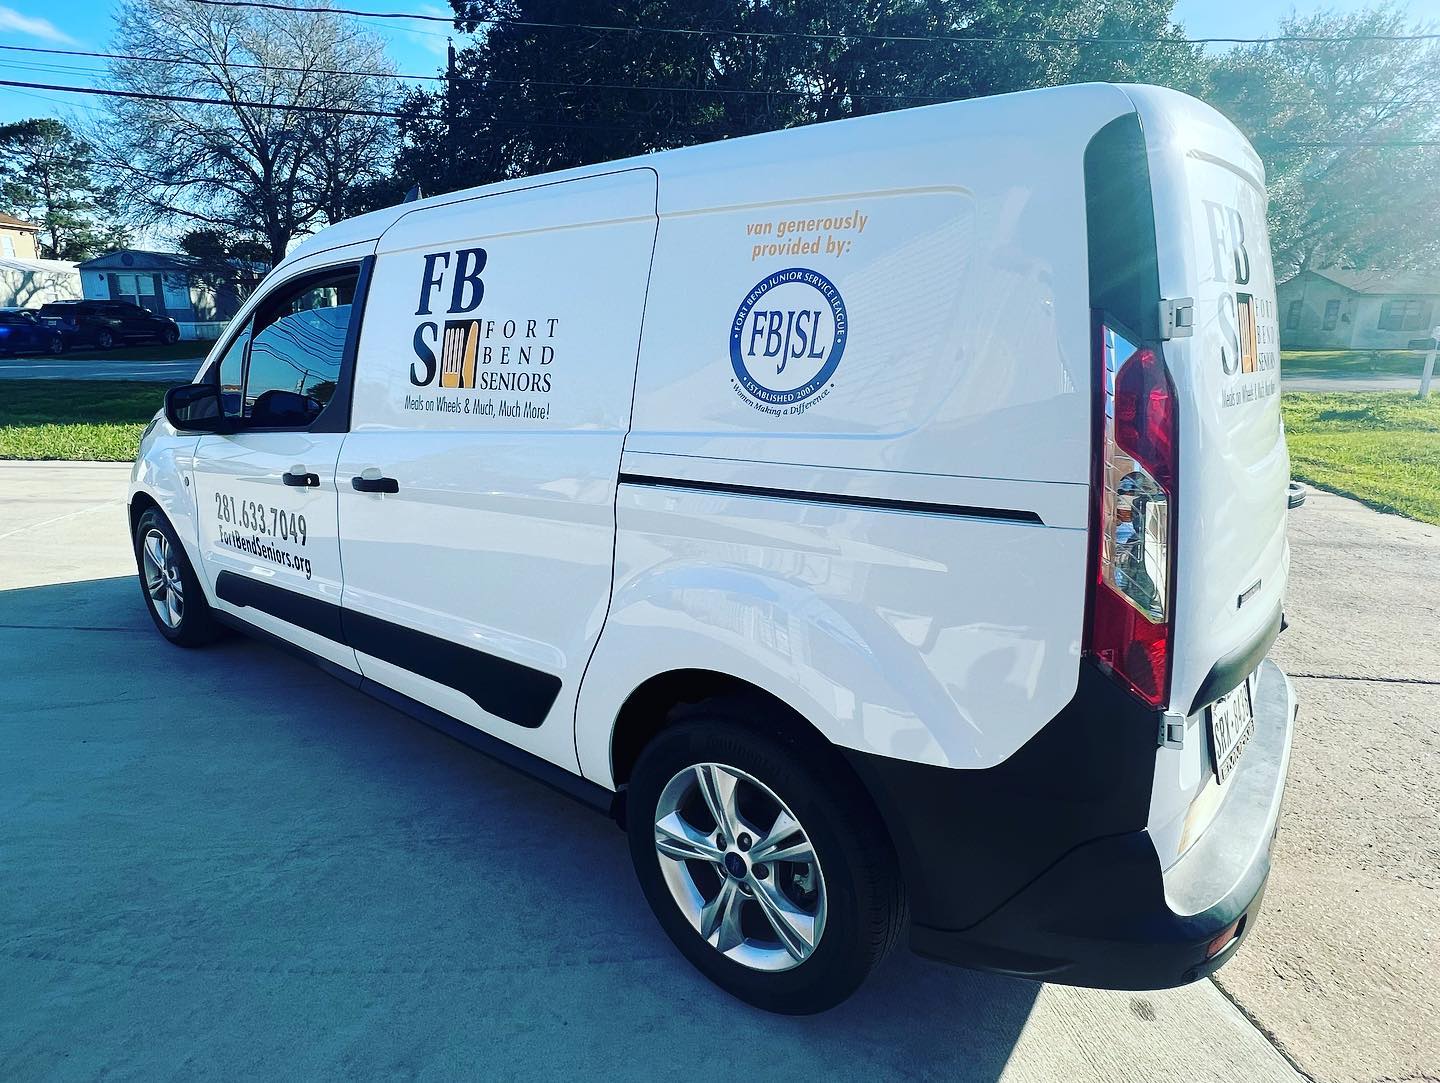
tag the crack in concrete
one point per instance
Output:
(1265, 1032)
(1373, 680)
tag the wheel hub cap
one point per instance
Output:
(162, 578)
(764, 908)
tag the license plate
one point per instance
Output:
(1232, 724)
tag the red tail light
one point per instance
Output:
(1128, 626)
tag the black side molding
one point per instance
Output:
(506, 689)
(1229, 671)
(877, 503)
(302, 610)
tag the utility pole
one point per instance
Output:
(1429, 363)
(451, 143)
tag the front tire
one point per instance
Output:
(173, 595)
(105, 340)
(763, 858)
(169, 336)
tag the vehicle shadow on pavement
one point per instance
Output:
(228, 862)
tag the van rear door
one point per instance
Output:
(1213, 256)
(1213, 248)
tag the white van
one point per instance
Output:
(883, 520)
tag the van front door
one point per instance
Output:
(266, 494)
(477, 485)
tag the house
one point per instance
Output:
(30, 283)
(1363, 310)
(197, 294)
(17, 238)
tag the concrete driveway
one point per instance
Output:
(222, 862)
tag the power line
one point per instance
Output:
(291, 107)
(782, 92)
(924, 99)
(227, 64)
(942, 39)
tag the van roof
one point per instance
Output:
(700, 157)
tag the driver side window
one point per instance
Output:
(231, 372)
(282, 369)
(296, 344)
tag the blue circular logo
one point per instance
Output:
(788, 336)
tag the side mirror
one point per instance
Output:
(283, 409)
(198, 408)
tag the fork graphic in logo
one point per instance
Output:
(458, 347)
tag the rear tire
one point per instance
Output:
(105, 340)
(841, 911)
(57, 345)
(173, 595)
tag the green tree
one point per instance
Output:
(47, 176)
(528, 97)
(1336, 123)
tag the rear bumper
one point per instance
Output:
(1104, 913)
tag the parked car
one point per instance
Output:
(883, 520)
(104, 324)
(21, 332)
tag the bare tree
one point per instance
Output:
(270, 163)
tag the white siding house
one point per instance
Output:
(1362, 310)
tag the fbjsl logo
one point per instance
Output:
(787, 338)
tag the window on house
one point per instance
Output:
(7, 245)
(1411, 315)
(1292, 316)
(1332, 314)
(137, 290)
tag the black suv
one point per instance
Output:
(107, 323)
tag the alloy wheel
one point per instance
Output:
(162, 578)
(740, 867)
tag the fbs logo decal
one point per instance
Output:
(786, 340)
(467, 290)
(458, 346)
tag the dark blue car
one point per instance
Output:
(21, 332)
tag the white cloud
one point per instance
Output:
(12, 20)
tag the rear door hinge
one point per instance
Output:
(1172, 730)
(1177, 318)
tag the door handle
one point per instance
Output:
(297, 476)
(372, 482)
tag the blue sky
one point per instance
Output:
(87, 24)
(420, 47)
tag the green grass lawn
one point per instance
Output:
(1352, 363)
(146, 351)
(1381, 447)
(75, 419)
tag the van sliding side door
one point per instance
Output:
(477, 486)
